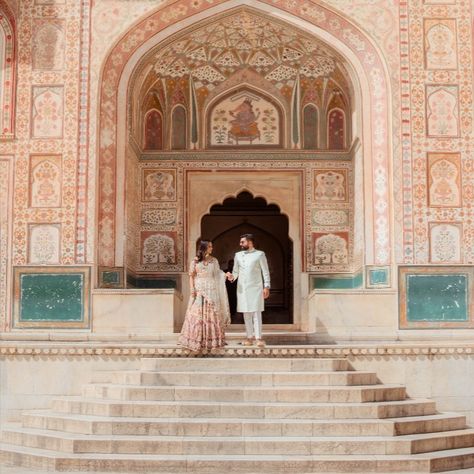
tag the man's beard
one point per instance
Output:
(244, 247)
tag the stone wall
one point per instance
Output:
(418, 176)
(442, 372)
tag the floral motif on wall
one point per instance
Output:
(331, 248)
(159, 248)
(442, 112)
(48, 44)
(44, 243)
(244, 118)
(329, 217)
(45, 180)
(47, 112)
(330, 185)
(444, 179)
(445, 243)
(440, 43)
(158, 185)
(159, 217)
(6, 167)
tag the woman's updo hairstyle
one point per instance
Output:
(202, 248)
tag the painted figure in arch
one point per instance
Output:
(208, 310)
(253, 287)
(244, 124)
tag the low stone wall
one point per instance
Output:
(135, 312)
(31, 374)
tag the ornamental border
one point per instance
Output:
(281, 352)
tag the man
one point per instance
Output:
(253, 286)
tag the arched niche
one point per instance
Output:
(244, 117)
(310, 127)
(7, 71)
(153, 129)
(179, 128)
(336, 129)
(370, 85)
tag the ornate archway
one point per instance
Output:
(372, 96)
(224, 225)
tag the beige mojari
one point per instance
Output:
(208, 313)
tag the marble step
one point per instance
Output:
(273, 410)
(358, 393)
(267, 364)
(239, 379)
(87, 424)
(205, 464)
(307, 445)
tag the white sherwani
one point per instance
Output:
(252, 274)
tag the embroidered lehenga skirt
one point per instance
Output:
(204, 323)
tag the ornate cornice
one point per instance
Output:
(359, 351)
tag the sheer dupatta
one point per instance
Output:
(223, 304)
(215, 293)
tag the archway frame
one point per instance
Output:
(8, 78)
(281, 187)
(373, 100)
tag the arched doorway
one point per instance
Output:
(245, 213)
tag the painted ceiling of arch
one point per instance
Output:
(244, 40)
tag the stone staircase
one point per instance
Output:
(243, 415)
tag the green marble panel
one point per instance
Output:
(155, 283)
(437, 297)
(111, 277)
(378, 276)
(339, 282)
(51, 297)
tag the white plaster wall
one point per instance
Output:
(449, 380)
(135, 312)
(353, 315)
(31, 382)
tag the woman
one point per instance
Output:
(208, 310)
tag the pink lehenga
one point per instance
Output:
(208, 313)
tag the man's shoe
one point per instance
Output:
(248, 342)
(260, 343)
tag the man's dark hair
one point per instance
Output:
(249, 237)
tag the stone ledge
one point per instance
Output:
(152, 350)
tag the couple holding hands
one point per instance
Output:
(208, 311)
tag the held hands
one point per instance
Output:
(229, 276)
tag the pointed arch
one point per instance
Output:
(179, 128)
(372, 86)
(153, 128)
(7, 71)
(310, 127)
(336, 129)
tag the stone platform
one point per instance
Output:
(240, 414)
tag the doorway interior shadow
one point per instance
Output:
(244, 214)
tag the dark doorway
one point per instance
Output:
(225, 224)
